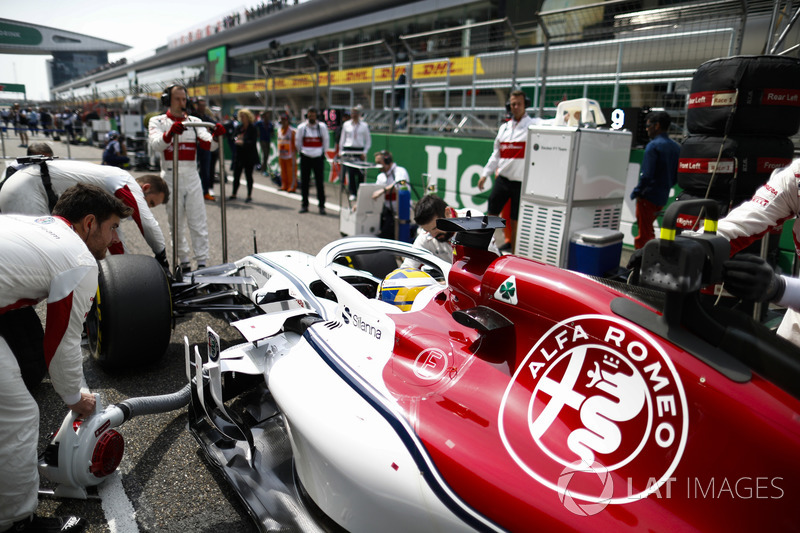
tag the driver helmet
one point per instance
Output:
(402, 285)
(112, 135)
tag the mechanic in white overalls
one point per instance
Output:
(24, 193)
(191, 206)
(775, 202)
(53, 258)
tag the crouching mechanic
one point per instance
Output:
(191, 205)
(26, 193)
(429, 209)
(115, 153)
(53, 257)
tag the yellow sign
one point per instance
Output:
(457, 66)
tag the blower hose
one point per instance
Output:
(148, 405)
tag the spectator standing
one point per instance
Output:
(246, 141)
(46, 120)
(68, 124)
(336, 166)
(390, 174)
(265, 131)
(508, 162)
(230, 136)
(20, 119)
(33, 121)
(191, 209)
(53, 258)
(311, 140)
(658, 175)
(337, 132)
(400, 91)
(355, 141)
(204, 158)
(287, 155)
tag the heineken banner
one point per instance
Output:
(451, 166)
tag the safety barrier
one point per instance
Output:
(57, 135)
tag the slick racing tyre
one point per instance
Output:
(768, 102)
(750, 159)
(131, 320)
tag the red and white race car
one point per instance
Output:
(512, 396)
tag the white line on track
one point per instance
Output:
(119, 511)
(328, 205)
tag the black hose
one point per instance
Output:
(148, 405)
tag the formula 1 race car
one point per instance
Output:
(510, 396)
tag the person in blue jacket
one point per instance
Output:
(658, 175)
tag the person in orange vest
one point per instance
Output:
(287, 155)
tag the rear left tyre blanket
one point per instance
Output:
(750, 160)
(130, 322)
(768, 102)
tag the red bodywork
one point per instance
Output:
(576, 419)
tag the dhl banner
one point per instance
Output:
(458, 66)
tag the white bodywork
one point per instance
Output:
(328, 383)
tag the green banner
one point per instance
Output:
(19, 35)
(12, 88)
(217, 60)
(452, 165)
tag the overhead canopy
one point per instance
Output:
(25, 38)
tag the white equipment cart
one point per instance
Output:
(574, 180)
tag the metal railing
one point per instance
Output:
(458, 79)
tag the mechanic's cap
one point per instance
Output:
(402, 285)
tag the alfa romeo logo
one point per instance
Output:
(596, 397)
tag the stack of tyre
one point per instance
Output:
(742, 111)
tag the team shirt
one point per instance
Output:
(312, 141)
(508, 156)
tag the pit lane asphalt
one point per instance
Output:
(163, 483)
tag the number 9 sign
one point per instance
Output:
(617, 119)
